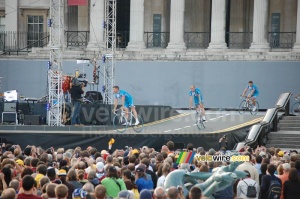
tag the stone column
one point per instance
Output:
(297, 44)
(136, 38)
(260, 26)
(97, 16)
(176, 25)
(218, 25)
(11, 19)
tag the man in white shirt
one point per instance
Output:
(243, 184)
(249, 167)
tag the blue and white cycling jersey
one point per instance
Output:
(197, 94)
(253, 87)
(128, 98)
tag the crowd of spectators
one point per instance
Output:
(131, 173)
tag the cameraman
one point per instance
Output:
(224, 138)
(76, 92)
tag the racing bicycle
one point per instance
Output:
(121, 123)
(296, 107)
(199, 118)
(247, 105)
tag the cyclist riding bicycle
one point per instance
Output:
(198, 100)
(127, 102)
(254, 92)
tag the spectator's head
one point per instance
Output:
(297, 164)
(109, 159)
(91, 175)
(172, 193)
(286, 167)
(293, 175)
(146, 162)
(51, 173)
(14, 184)
(27, 151)
(140, 171)
(210, 164)
(159, 193)
(42, 169)
(271, 169)
(28, 182)
(125, 194)
(127, 175)
(266, 160)
(88, 187)
(286, 158)
(72, 176)
(26, 171)
(8, 193)
(27, 161)
(195, 193)
(112, 172)
(170, 145)
(166, 169)
(61, 191)
(263, 168)
(203, 168)
(81, 165)
(62, 174)
(34, 162)
(190, 147)
(100, 192)
(159, 158)
(44, 180)
(50, 190)
(248, 175)
(145, 194)
(258, 159)
(164, 148)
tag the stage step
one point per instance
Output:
(284, 139)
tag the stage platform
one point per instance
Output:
(179, 128)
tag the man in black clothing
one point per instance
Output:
(76, 92)
(266, 181)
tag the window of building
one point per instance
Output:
(35, 31)
(2, 23)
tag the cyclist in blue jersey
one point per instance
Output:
(127, 102)
(196, 94)
(254, 92)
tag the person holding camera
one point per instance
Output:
(76, 92)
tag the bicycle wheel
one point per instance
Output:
(296, 109)
(138, 128)
(200, 123)
(256, 110)
(243, 107)
(118, 122)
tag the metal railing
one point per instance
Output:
(239, 40)
(122, 39)
(282, 39)
(157, 39)
(197, 39)
(77, 38)
(18, 41)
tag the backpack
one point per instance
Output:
(251, 190)
(274, 191)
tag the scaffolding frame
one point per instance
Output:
(55, 92)
(108, 58)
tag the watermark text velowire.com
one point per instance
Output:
(221, 158)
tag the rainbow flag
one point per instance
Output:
(185, 157)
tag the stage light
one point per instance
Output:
(103, 58)
(48, 106)
(48, 65)
(103, 88)
(49, 22)
(104, 24)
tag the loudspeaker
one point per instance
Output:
(96, 96)
(32, 119)
(10, 107)
(9, 117)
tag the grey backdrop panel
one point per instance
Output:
(167, 83)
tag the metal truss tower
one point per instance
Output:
(55, 93)
(109, 58)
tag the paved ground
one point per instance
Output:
(217, 121)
